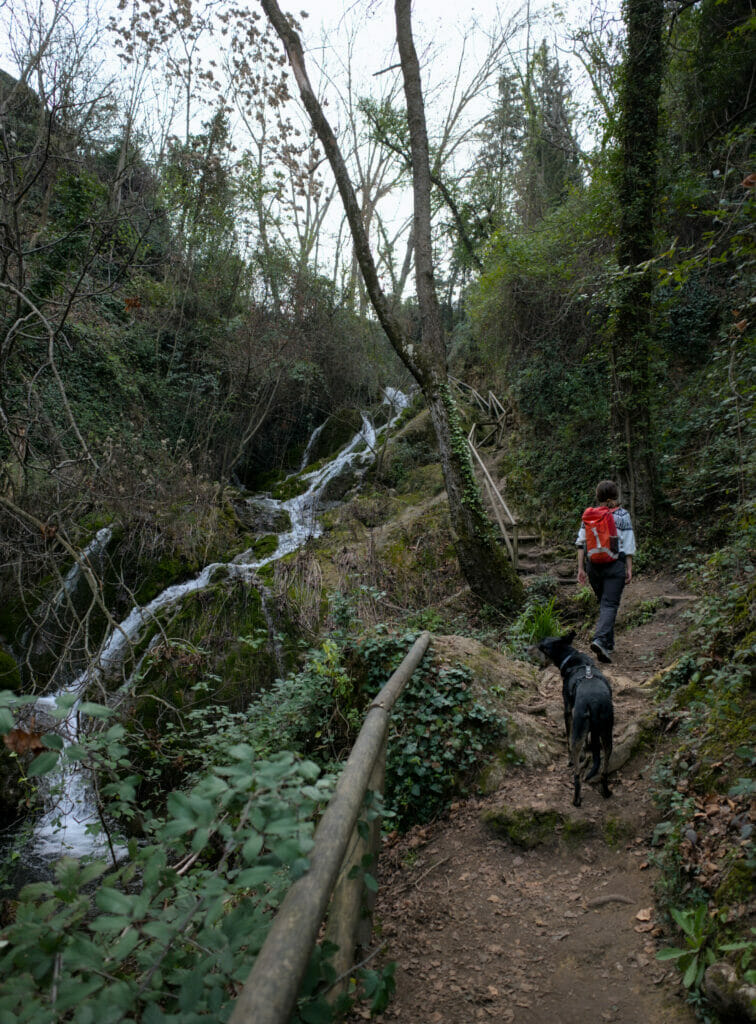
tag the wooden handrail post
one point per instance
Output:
(350, 915)
(270, 991)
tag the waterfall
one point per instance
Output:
(310, 445)
(69, 826)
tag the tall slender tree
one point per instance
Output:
(637, 193)
(483, 563)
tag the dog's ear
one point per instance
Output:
(568, 637)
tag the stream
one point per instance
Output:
(70, 825)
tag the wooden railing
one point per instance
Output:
(494, 412)
(495, 421)
(504, 517)
(270, 991)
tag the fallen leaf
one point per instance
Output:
(21, 742)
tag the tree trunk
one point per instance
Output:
(490, 575)
(631, 338)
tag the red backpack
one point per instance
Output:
(601, 540)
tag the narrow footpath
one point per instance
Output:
(554, 924)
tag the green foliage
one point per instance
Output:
(692, 960)
(642, 613)
(170, 932)
(405, 456)
(709, 692)
(438, 734)
(536, 621)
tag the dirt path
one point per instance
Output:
(564, 932)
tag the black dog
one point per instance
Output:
(588, 709)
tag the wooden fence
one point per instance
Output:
(270, 991)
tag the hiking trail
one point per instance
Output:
(546, 914)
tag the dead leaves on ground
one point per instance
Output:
(721, 831)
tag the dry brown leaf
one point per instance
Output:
(18, 741)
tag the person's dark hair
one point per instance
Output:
(607, 490)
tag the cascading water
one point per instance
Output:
(70, 825)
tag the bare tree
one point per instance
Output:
(490, 575)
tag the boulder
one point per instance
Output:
(262, 516)
(731, 996)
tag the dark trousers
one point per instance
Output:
(608, 582)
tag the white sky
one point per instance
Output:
(442, 29)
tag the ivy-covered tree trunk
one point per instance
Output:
(632, 329)
(483, 563)
(485, 567)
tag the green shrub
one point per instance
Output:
(536, 621)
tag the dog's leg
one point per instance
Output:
(567, 714)
(606, 748)
(577, 756)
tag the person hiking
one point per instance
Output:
(606, 545)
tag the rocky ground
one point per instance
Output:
(519, 907)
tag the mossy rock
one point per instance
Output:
(616, 832)
(738, 885)
(292, 487)
(417, 430)
(528, 827)
(210, 629)
(423, 481)
(265, 546)
(335, 488)
(10, 674)
(338, 431)
(13, 617)
(411, 449)
(261, 516)
(161, 574)
(371, 510)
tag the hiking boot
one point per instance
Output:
(601, 652)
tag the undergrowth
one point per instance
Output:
(171, 932)
(704, 845)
